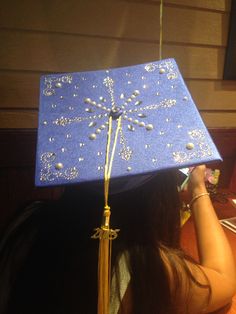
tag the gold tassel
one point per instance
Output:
(104, 233)
(105, 236)
(104, 269)
(103, 277)
(161, 30)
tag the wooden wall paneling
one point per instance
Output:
(218, 5)
(219, 119)
(60, 53)
(21, 90)
(232, 185)
(213, 94)
(18, 148)
(117, 19)
(18, 119)
(225, 140)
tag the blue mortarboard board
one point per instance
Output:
(160, 125)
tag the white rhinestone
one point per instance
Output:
(131, 127)
(149, 127)
(87, 100)
(58, 85)
(129, 168)
(141, 124)
(162, 71)
(92, 136)
(189, 146)
(91, 124)
(98, 131)
(59, 166)
(142, 115)
(136, 92)
(136, 121)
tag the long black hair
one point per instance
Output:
(57, 271)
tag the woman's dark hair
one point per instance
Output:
(57, 271)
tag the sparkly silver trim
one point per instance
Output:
(166, 66)
(62, 121)
(48, 172)
(125, 152)
(51, 83)
(201, 148)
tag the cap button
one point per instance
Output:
(115, 113)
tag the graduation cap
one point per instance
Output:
(160, 125)
(123, 124)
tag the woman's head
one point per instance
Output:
(147, 213)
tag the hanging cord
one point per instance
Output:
(161, 30)
(104, 233)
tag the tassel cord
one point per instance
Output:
(105, 233)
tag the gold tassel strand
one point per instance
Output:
(161, 30)
(104, 233)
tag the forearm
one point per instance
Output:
(213, 247)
